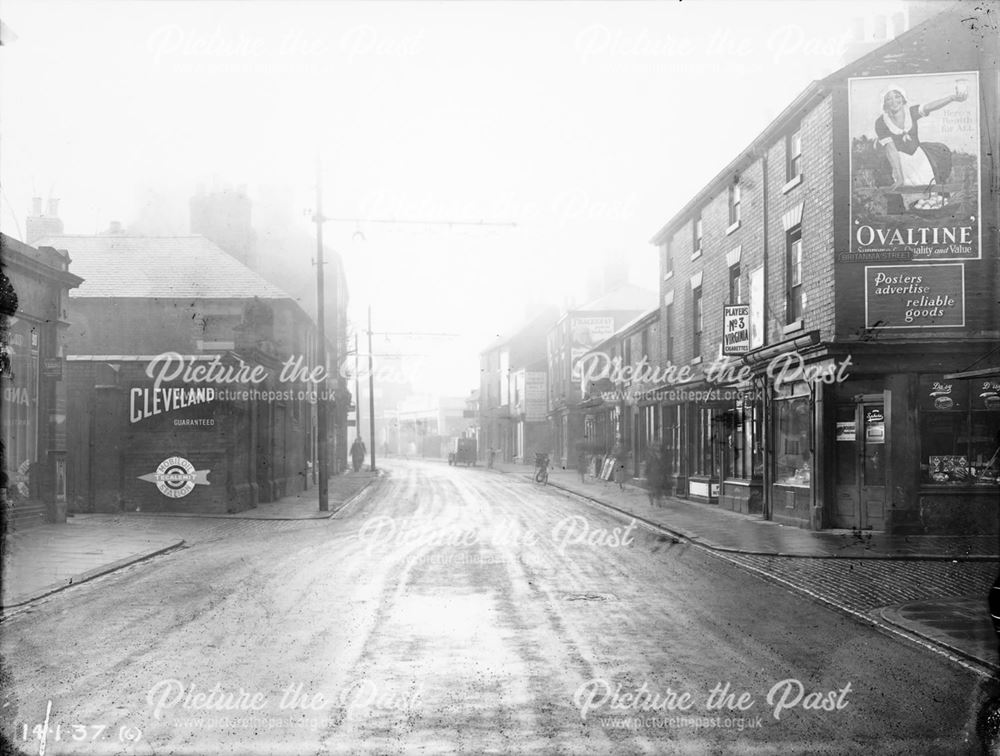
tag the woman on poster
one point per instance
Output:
(914, 163)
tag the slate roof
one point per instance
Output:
(166, 267)
(627, 296)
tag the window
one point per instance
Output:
(793, 457)
(734, 203)
(706, 441)
(651, 425)
(959, 431)
(793, 154)
(735, 285)
(669, 327)
(697, 236)
(672, 438)
(668, 258)
(696, 319)
(743, 433)
(793, 275)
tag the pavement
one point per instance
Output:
(932, 587)
(45, 559)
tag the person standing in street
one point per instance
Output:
(582, 462)
(620, 456)
(358, 452)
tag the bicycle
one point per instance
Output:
(541, 468)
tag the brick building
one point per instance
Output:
(182, 444)
(620, 415)
(34, 283)
(866, 279)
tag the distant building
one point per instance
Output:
(512, 388)
(34, 283)
(623, 413)
(576, 332)
(180, 446)
(428, 425)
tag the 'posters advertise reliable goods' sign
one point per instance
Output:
(915, 296)
(735, 329)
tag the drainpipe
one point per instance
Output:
(767, 430)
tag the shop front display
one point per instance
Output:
(743, 458)
(959, 431)
(793, 455)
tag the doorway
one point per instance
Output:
(861, 434)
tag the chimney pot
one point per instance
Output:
(53, 207)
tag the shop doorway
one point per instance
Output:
(860, 435)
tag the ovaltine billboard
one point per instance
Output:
(915, 168)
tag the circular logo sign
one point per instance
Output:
(175, 477)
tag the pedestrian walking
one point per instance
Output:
(656, 474)
(358, 452)
(621, 460)
(582, 460)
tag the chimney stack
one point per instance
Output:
(40, 225)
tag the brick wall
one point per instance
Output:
(814, 193)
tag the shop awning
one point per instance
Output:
(981, 373)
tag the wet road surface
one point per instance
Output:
(459, 610)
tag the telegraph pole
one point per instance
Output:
(371, 390)
(323, 398)
(357, 390)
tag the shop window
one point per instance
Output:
(793, 457)
(703, 457)
(652, 425)
(745, 459)
(793, 275)
(672, 438)
(960, 432)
